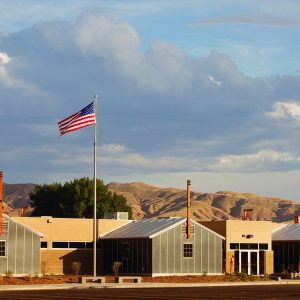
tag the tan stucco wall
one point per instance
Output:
(229, 266)
(58, 262)
(69, 229)
(237, 230)
(269, 262)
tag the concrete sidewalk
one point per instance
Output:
(138, 285)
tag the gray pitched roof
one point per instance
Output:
(145, 228)
(289, 232)
(149, 228)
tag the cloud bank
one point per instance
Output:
(160, 110)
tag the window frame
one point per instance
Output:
(186, 252)
(5, 248)
(71, 248)
(44, 243)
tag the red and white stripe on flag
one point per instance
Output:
(81, 119)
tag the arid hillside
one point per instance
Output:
(16, 196)
(151, 201)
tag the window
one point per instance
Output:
(44, 244)
(2, 248)
(77, 245)
(249, 246)
(234, 246)
(89, 245)
(60, 245)
(187, 250)
(263, 246)
(72, 245)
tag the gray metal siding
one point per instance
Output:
(167, 254)
(28, 247)
(205, 251)
(11, 248)
(178, 249)
(156, 255)
(3, 260)
(36, 259)
(171, 248)
(164, 252)
(22, 249)
(219, 254)
(20, 232)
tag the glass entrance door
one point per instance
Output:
(253, 263)
(249, 262)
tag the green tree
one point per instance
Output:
(74, 199)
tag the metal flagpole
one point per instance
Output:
(95, 195)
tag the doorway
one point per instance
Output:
(250, 262)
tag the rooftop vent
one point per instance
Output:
(116, 215)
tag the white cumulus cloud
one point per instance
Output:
(4, 58)
(283, 110)
(259, 161)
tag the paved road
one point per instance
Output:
(233, 292)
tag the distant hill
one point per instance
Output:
(152, 201)
(16, 196)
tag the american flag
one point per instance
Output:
(83, 118)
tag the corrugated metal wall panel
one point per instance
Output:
(164, 252)
(156, 254)
(219, 255)
(205, 251)
(36, 254)
(28, 252)
(171, 251)
(20, 236)
(11, 248)
(197, 250)
(178, 249)
(212, 254)
(168, 252)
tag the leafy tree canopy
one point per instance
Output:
(74, 199)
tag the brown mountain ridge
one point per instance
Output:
(151, 201)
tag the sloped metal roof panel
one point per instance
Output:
(289, 232)
(143, 229)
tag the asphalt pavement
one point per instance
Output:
(281, 291)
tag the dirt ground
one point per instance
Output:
(59, 279)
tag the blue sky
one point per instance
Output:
(187, 89)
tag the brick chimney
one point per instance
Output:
(297, 219)
(1, 195)
(188, 208)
